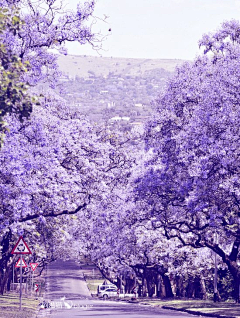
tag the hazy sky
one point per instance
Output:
(157, 28)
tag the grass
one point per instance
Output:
(230, 309)
(9, 306)
(92, 284)
(93, 278)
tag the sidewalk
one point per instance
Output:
(205, 308)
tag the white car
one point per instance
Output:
(103, 287)
(109, 292)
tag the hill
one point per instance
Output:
(118, 91)
(75, 65)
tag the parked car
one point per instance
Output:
(109, 292)
(103, 287)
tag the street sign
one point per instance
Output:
(33, 266)
(20, 263)
(36, 287)
(21, 247)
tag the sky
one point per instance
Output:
(165, 29)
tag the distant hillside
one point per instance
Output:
(116, 91)
(83, 66)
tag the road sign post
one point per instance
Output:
(21, 248)
(13, 277)
(20, 296)
(32, 284)
(36, 288)
(33, 267)
(21, 263)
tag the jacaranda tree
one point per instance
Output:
(56, 166)
(191, 185)
(48, 25)
(31, 32)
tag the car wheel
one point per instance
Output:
(105, 296)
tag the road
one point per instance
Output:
(69, 297)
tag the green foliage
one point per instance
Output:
(225, 285)
(13, 92)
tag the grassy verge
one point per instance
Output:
(92, 284)
(227, 309)
(9, 306)
(93, 277)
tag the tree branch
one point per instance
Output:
(56, 214)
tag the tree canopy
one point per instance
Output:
(30, 33)
(40, 175)
(138, 213)
(191, 187)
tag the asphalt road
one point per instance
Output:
(69, 297)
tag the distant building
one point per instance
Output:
(111, 104)
(64, 78)
(115, 118)
(136, 123)
(118, 118)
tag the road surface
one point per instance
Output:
(69, 297)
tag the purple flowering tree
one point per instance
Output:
(56, 166)
(139, 255)
(31, 33)
(47, 26)
(191, 184)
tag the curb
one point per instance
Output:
(198, 313)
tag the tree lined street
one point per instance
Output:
(154, 206)
(67, 291)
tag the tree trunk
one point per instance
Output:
(4, 261)
(203, 288)
(159, 286)
(9, 280)
(190, 287)
(4, 280)
(236, 288)
(150, 285)
(168, 287)
(180, 290)
(144, 286)
(197, 288)
(129, 285)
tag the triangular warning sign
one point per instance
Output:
(21, 247)
(21, 262)
(33, 266)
